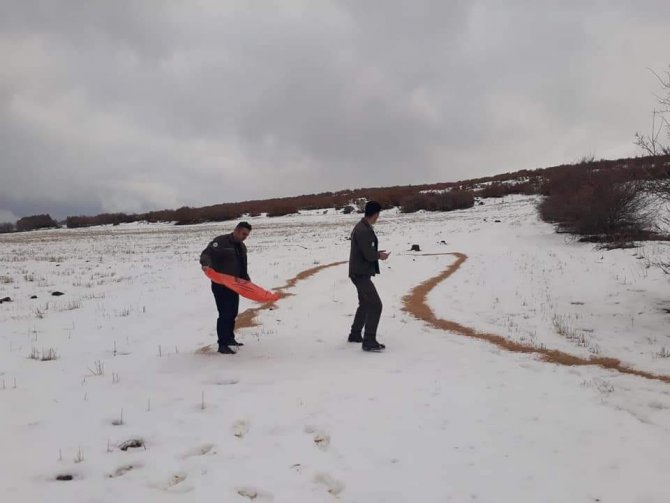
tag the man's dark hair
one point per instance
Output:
(372, 207)
(246, 225)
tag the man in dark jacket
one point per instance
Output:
(227, 254)
(363, 264)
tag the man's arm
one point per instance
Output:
(205, 257)
(366, 244)
(245, 273)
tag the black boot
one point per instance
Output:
(235, 343)
(371, 344)
(355, 338)
(225, 350)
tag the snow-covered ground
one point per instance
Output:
(300, 415)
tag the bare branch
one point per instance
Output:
(650, 144)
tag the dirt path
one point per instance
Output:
(247, 318)
(415, 304)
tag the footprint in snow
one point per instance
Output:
(199, 451)
(206, 350)
(174, 483)
(320, 437)
(240, 428)
(122, 470)
(334, 487)
(253, 494)
(176, 479)
(225, 382)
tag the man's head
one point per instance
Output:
(372, 209)
(242, 231)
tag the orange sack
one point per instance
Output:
(245, 288)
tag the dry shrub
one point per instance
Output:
(45, 355)
(186, 216)
(280, 210)
(6, 227)
(499, 189)
(528, 188)
(390, 198)
(74, 222)
(438, 201)
(35, 222)
(592, 202)
(216, 213)
(503, 184)
(494, 190)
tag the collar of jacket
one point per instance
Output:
(365, 221)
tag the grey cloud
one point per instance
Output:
(129, 106)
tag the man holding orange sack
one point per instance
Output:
(227, 254)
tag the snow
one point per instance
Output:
(299, 414)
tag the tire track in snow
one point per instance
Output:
(415, 303)
(247, 319)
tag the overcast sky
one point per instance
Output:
(136, 105)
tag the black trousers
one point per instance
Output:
(228, 304)
(369, 309)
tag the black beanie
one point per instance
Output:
(372, 207)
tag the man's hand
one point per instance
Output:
(383, 254)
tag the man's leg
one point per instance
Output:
(227, 303)
(233, 304)
(373, 309)
(355, 335)
(369, 310)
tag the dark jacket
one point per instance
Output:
(364, 255)
(227, 256)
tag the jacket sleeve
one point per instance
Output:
(245, 273)
(366, 244)
(206, 257)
